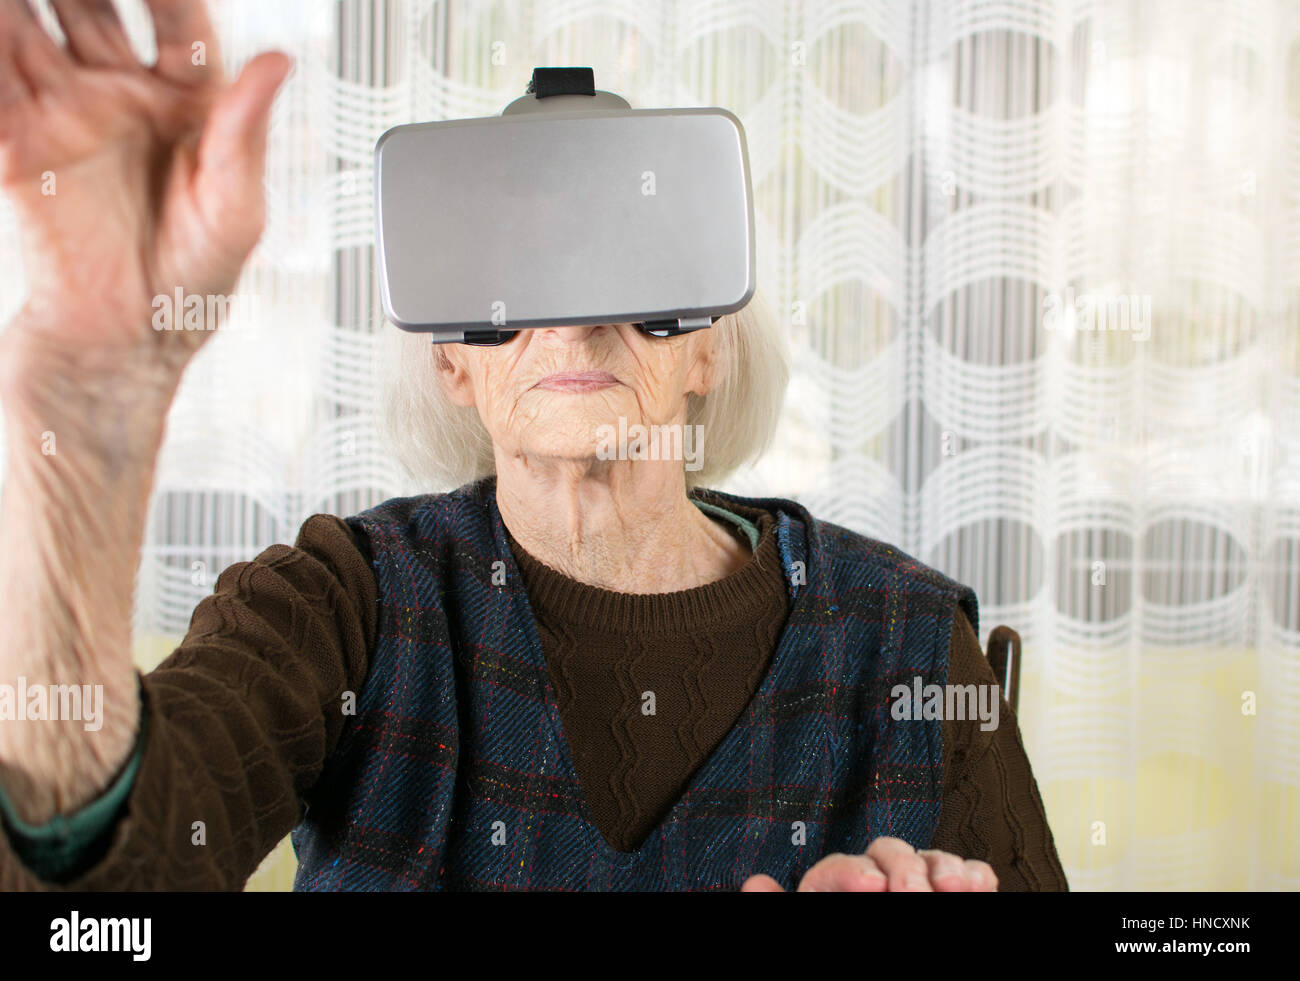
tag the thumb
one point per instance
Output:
(761, 883)
(232, 148)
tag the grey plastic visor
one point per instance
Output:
(564, 218)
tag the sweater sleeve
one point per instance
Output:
(67, 845)
(991, 806)
(239, 721)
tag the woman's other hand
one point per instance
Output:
(889, 865)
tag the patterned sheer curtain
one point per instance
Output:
(1039, 260)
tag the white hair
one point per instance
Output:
(443, 445)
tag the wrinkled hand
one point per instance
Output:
(128, 180)
(889, 865)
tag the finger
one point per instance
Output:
(187, 44)
(843, 873)
(761, 883)
(94, 32)
(13, 87)
(232, 148)
(906, 870)
(42, 63)
(948, 872)
(983, 875)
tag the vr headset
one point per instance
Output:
(570, 208)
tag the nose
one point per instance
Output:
(572, 335)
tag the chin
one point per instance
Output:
(571, 437)
(580, 427)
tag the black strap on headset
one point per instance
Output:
(562, 81)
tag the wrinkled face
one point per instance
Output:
(547, 392)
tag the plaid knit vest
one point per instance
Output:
(454, 772)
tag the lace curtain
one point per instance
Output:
(1039, 262)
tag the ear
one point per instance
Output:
(704, 369)
(454, 375)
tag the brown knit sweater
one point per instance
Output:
(242, 716)
(699, 653)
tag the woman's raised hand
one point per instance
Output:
(129, 181)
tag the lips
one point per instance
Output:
(577, 381)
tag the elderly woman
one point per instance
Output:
(578, 670)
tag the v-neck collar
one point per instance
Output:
(783, 672)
